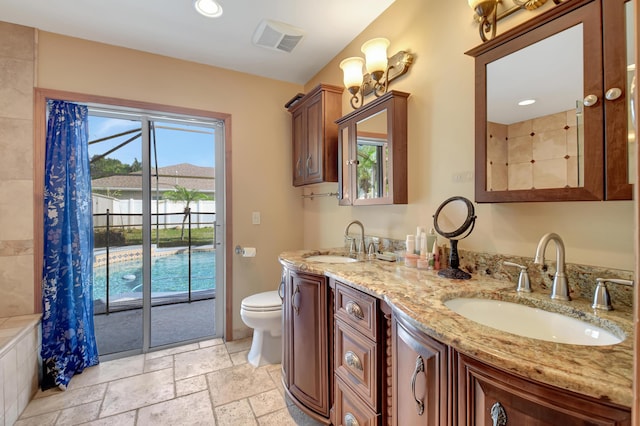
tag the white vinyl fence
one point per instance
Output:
(202, 212)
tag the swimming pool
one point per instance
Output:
(169, 274)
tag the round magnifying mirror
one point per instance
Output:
(454, 219)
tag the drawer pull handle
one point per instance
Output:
(350, 420)
(354, 310)
(419, 369)
(281, 286)
(294, 304)
(352, 360)
(498, 415)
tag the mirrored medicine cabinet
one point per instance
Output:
(372, 152)
(552, 106)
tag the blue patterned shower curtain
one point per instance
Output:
(68, 340)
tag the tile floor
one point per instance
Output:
(205, 383)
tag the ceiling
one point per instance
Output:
(173, 28)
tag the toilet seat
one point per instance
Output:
(262, 302)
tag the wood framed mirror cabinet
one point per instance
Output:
(372, 152)
(573, 66)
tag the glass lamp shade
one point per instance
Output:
(375, 51)
(352, 72)
(208, 8)
(483, 7)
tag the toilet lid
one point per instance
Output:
(269, 300)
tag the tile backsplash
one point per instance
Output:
(582, 278)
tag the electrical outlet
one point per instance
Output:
(255, 218)
(461, 177)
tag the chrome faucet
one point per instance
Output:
(360, 245)
(560, 289)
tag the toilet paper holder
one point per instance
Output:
(245, 251)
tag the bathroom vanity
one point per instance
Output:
(373, 343)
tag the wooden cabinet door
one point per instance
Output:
(306, 336)
(488, 396)
(298, 136)
(419, 378)
(315, 140)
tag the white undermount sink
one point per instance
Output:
(330, 258)
(532, 322)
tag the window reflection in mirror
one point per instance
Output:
(540, 144)
(372, 157)
(631, 69)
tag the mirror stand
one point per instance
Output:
(454, 271)
(454, 220)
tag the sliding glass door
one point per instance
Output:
(158, 194)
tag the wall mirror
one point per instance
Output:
(550, 125)
(372, 152)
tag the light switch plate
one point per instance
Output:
(255, 218)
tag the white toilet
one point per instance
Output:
(263, 313)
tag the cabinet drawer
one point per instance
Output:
(357, 309)
(350, 410)
(356, 361)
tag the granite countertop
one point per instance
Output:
(602, 372)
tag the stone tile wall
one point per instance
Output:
(540, 153)
(17, 65)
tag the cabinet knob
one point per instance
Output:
(419, 369)
(613, 93)
(498, 415)
(350, 420)
(352, 360)
(590, 100)
(354, 310)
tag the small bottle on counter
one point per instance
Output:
(418, 240)
(436, 255)
(431, 239)
(411, 244)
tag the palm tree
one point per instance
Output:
(180, 193)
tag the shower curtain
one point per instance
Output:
(68, 340)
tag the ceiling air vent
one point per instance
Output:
(277, 36)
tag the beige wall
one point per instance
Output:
(441, 143)
(16, 171)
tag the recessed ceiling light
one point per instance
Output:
(208, 8)
(526, 102)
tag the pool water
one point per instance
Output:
(168, 274)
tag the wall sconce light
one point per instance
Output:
(487, 14)
(380, 70)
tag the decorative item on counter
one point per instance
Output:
(388, 256)
(454, 219)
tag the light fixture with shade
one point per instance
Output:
(380, 70)
(487, 14)
(208, 8)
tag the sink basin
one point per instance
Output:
(330, 258)
(532, 322)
